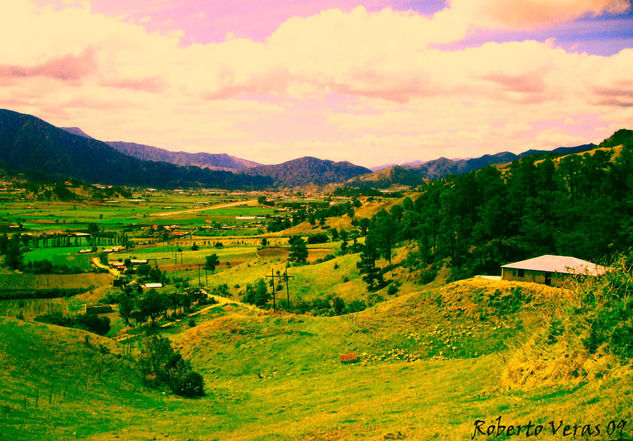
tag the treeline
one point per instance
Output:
(580, 206)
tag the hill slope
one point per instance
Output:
(441, 167)
(413, 173)
(219, 161)
(309, 170)
(386, 177)
(76, 131)
(30, 144)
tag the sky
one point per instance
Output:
(371, 82)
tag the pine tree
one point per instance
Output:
(298, 250)
(367, 265)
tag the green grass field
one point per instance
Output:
(432, 359)
(277, 377)
(68, 256)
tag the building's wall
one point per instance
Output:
(557, 279)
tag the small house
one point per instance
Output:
(152, 285)
(550, 270)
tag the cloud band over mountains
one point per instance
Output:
(383, 84)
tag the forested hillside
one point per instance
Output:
(308, 170)
(578, 205)
(30, 144)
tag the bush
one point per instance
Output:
(356, 306)
(160, 365)
(392, 290)
(428, 276)
(190, 384)
(318, 238)
(375, 298)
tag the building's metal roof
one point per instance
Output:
(559, 264)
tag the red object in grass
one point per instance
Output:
(348, 358)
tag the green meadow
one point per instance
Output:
(427, 360)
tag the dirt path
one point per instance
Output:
(213, 207)
(115, 272)
(220, 301)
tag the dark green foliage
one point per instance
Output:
(160, 365)
(298, 250)
(4, 243)
(475, 222)
(257, 294)
(212, 262)
(318, 238)
(143, 270)
(194, 247)
(46, 267)
(151, 305)
(28, 143)
(13, 255)
(88, 322)
(367, 265)
(392, 290)
(338, 305)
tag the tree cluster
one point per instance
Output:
(578, 205)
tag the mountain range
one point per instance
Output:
(212, 161)
(30, 144)
(413, 173)
(308, 170)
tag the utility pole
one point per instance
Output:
(272, 277)
(286, 277)
(281, 277)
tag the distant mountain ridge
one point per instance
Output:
(31, 144)
(309, 170)
(76, 131)
(441, 167)
(413, 173)
(213, 161)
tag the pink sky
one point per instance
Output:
(371, 82)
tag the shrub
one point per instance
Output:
(318, 238)
(392, 290)
(428, 276)
(338, 304)
(160, 365)
(375, 298)
(356, 305)
(190, 384)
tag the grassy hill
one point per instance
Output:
(431, 363)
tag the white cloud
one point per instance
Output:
(405, 98)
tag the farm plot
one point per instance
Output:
(31, 282)
(61, 256)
